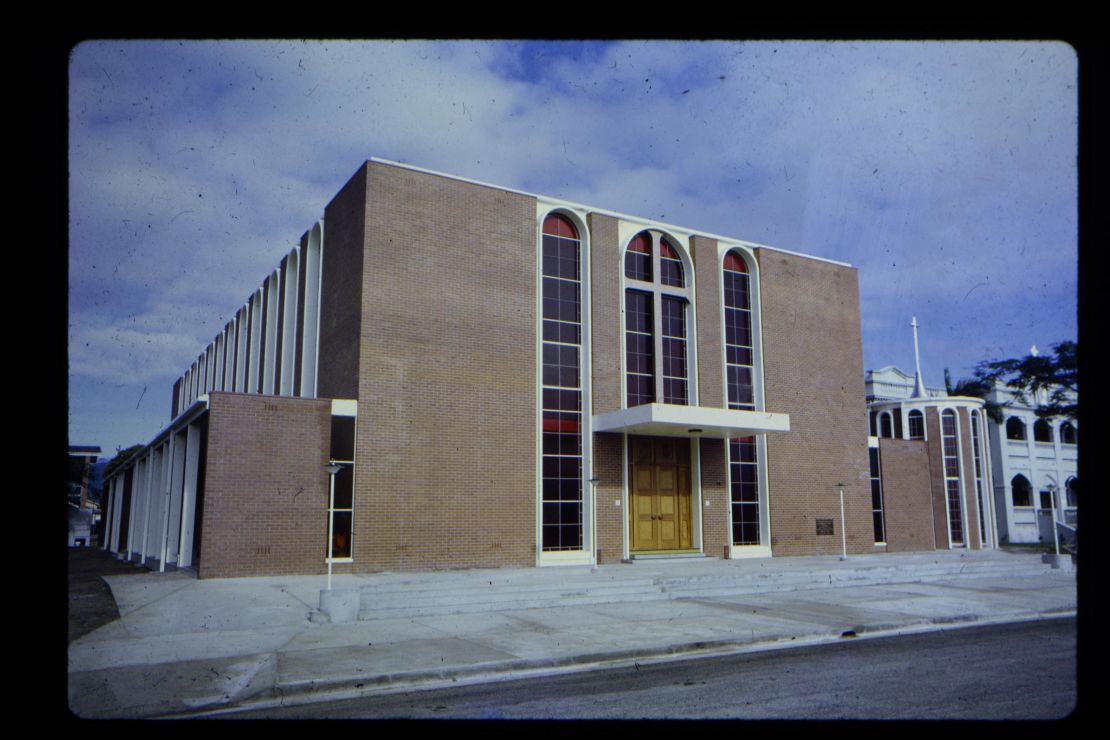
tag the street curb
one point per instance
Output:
(349, 687)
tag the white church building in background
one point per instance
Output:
(1036, 469)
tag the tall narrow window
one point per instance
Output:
(656, 304)
(977, 455)
(950, 443)
(739, 367)
(561, 527)
(639, 342)
(877, 496)
(341, 510)
(674, 350)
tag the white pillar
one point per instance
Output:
(314, 260)
(289, 322)
(189, 496)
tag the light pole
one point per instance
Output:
(1055, 534)
(332, 468)
(843, 534)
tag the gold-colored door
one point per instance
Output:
(661, 510)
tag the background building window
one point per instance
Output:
(950, 445)
(1067, 434)
(917, 425)
(886, 425)
(1015, 428)
(1021, 491)
(1042, 431)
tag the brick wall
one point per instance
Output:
(341, 287)
(813, 371)
(711, 391)
(606, 302)
(265, 486)
(935, 444)
(714, 523)
(608, 468)
(446, 444)
(907, 495)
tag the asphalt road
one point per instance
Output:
(1014, 671)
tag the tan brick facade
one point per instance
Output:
(813, 371)
(265, 513)
(445, 472)
(907, 495)
(605, 302)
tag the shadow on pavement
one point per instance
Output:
(90, 600)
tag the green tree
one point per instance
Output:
(976, 388)
(1056, 374)
(121, 457)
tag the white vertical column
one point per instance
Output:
(229, 355)
(241, 350)
(117, 509)
(271, 332)
(106, 513)
(219, 369)
(189, 496)
(133, 510)
(289, 323)
(256, 337)
(164, 501)
(143, 519)
(176, 482)
(311, 334)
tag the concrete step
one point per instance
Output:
(475, 592)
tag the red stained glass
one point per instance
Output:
(667, 250)
(559, 225)
(561, 423)
(640, 243)
(735, 262)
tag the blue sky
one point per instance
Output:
(945, 171)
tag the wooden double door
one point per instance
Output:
(661, 500)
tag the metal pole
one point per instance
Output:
(331, 516)
(843, 534)
(1055, 534)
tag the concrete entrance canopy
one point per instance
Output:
(671, 420)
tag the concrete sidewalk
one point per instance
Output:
(185, 646)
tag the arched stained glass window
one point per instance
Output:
(638, 258)
(561, 386)
(670, 266)
(740, 382)
(656, 323)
